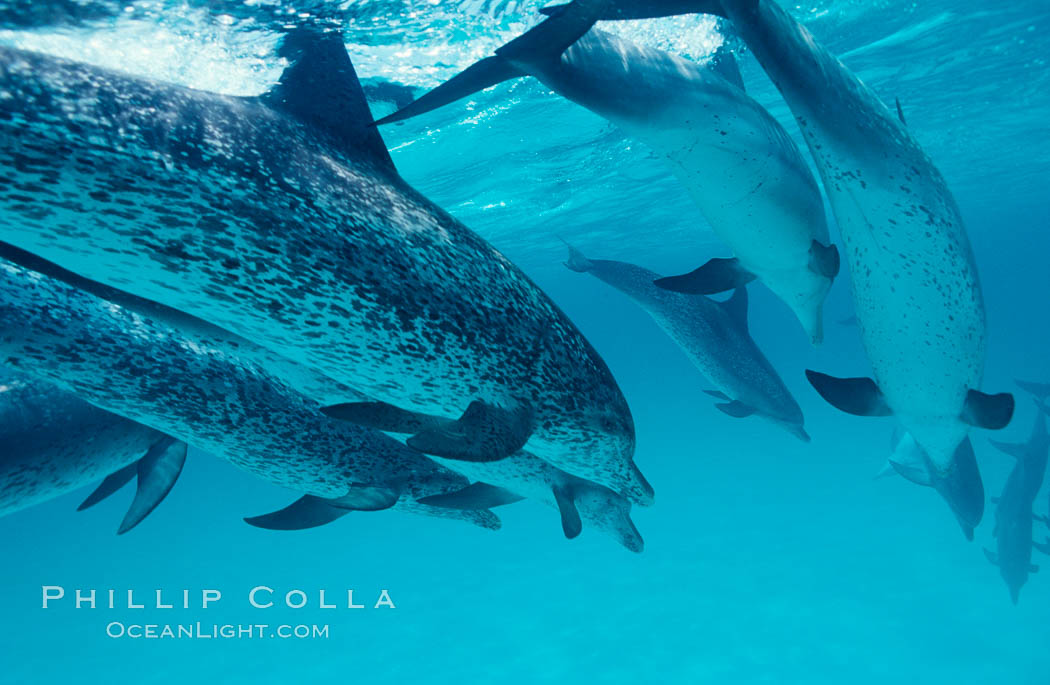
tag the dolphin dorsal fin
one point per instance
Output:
(723, 62)
(320, 88)
(736, 306)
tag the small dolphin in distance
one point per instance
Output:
(715, 337)
(52, 442)
(742, 169)
(1013, 508)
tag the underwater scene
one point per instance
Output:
(615, 341)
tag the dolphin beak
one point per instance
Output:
(799, 432)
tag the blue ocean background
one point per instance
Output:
(767, 560)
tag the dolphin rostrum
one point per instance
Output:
(740, 166)
(281, 218)
(916, 292)
(192, 387)
(715, 337)
(52, 442)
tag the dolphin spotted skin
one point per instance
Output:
(191, 387)
(916, 292)
(715, 337)
(52, 442)
(740, 166)
(281, 218)
(1013, 511)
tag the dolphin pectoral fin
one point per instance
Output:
(1013, 449)
(310, 512)
(1043, 547)
(570, 516)
(157, 473)
(910, 462)
(824, 260)
(990, 556)
(718, 394)
(475, 78)
(382, 416)
(484, 433)
(475, 496)
(736, 409)
(716, 276)
(113, 482)
(857, 396)
(988, 411)
(306, 512)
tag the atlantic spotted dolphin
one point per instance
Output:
(193, 388)
(1013, 510)
(740, 166)
(52, 442)
(715, 337)
(915, 286)
(282, 218)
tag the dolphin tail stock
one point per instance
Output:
(320, 87)
(549, 39)
(156, 473)
(716, 276)
(576, 262)
(310, 511)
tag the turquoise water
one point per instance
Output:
(767, 560)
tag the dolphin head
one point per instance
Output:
(961, 487)
(606, 511)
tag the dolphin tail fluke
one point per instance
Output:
(549, 39)
(571, 524)
(988, 411)
(477, 77)
(857, 396)
(157, 473)
(310, 512)
(484, 433)
(886, 471)
(577, 261)
(474, 496)
(716, 276)
(631, 9)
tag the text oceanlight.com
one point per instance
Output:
(199, 631)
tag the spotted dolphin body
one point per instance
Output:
(52, 443)
(1013, 510)
(740, 166)
(714, 335)
(191, 387)
(281, 218)
(501, 482)
(915, 286)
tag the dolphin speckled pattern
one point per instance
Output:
(715, 339)
(52, 442)
(191, 388)
(242, 214)
(915, 285)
